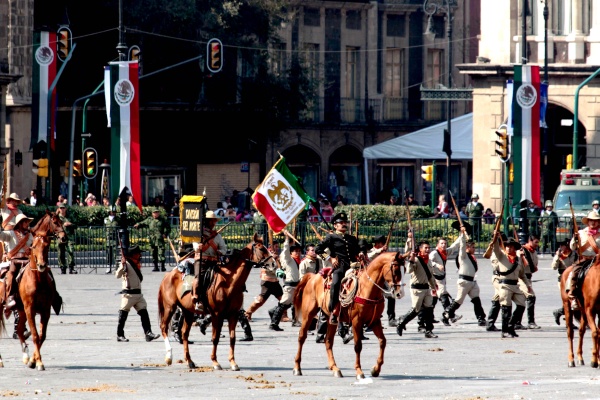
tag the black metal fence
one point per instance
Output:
(91, 246)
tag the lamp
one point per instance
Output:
(430, 31)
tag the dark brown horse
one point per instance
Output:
(225, 297)
(589, 300)
(382, 276)
(37, 288)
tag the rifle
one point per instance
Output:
(575, 228)
(221, 229)
(315, 231)
(389, 235)
(173, 250)
(4, 185)
(457, 210)
(490, 248)
(410, 227)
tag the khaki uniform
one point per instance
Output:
(508, 277)
(439, 267)
(467, 268)
(292, 274)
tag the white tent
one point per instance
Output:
(425, 143)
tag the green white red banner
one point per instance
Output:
(44, 72)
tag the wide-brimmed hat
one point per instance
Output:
(380, 239)
(62, 205)
(135, 250)
(340, 217)
(14, 196)
(21, 217)
(295, 246)
(564, 242)
(211, 215)
(468, 227)
(512, 242)
(591, 215)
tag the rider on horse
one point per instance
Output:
(207, 254)
(587, 244)
(18, 245)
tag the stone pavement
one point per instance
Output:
(83, 360)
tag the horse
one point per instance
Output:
(381, 277)
(588, 297)
(225, 297)
(37, 288)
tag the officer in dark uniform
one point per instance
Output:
(344, 250)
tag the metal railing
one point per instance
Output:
(91, 250)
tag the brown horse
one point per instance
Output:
(225, 297)
(589, 300)
(381, 277)
(2, 333)
(37, 288)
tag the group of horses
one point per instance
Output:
(225, 295)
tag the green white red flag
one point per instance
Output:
(122, 107)
(526, 130)
(44, 72)
(280, 197)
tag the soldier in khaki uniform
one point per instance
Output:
(507, 265)
(159, 230)
(563, 259)
(530, 263)
(130, 273)
(587, 243)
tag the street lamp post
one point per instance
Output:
(432, 7)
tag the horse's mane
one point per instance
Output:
(44, 222)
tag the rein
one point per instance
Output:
(385, 292)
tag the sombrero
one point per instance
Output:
(468, 227)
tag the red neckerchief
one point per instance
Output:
(424, 258)
(442, 253)
(297, 259)
(511, 258)
(592, 232)
(528, 247)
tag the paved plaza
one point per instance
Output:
(83, 360)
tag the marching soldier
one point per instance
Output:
(438, 258)
(563, 259)
(530, 263)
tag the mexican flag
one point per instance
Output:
(280, 197)
(44, 72)
(526, 130)
(122, 107)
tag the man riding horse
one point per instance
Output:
(207, 255)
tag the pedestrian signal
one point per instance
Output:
(40, 167)
(134, 53)
(90, 163)
(503, 144)
(63, 43)
(428, 172)
(77, 168)
(214, 55)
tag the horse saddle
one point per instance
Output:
(188, 284)
(326, 274)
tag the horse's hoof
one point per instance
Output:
(40, 367)
(571, 364)
(234, 367)
(168, 361)
(1, 364)
(580, 363)
(297, 372)
(593, 365)
(337, 374)
(359, 377)
(217, 367)
(374, 372)
(31, 364)
(191, 365)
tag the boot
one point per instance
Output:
(276, 317)
(284, 316)
(72, 271)
(204, 324)
(146, 325)
(420, 321)
(155, 269)
(508, 330)
(26, 333)
(405, 319)
(559, 312)
(445, 300)
(121, 326)
(435, 301)
(245, 324)
(429, 323)
(162, 267)
(253, 307)
(344, 332)
(63, 270)
(449, 312)
(321, 327)
(517, 316)
(177, 330)
(492, 316)
(391, 312)
(479, 313)
(531, 313)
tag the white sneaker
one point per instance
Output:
(456, 318)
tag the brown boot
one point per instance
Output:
(253, 307)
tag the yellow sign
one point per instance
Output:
(191, 216)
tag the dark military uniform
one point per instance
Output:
(549, 223)
(345, 248)
(112, 229)
(66, 257)
(475, 213)
(158, 231)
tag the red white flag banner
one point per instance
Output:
(526, 129)
(44, 72)
(280, 197)
(121, 81)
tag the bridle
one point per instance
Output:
(41, 236)
(260, 248)
(390, 269)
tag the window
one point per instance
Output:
(353, 19)
(278, 59)
(312, 17)
(396, 25)
(352, 60)
(311, 61)
(394, 73)
(435, 67)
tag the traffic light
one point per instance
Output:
(89, 163)
(447, 147)
(428, 172)
(569, 161)
(214, 55)
(511, 173)
(76, 168)
(134, 53)
(503, 144)
(63, 43)
(40, 167)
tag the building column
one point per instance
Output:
(540, 31)
(575, 39)
(594, 38)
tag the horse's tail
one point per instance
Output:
(297, 300)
